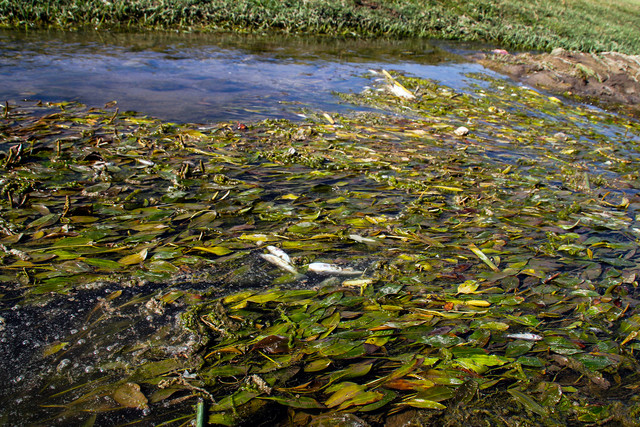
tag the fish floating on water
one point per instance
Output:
(274, 250)
(332, 269)
(525, 336)
(281, 259)
(396, 88)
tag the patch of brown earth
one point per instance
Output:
(608, 79)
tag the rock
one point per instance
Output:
(461, 131)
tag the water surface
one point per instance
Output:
(207, 77)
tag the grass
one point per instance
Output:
(585, 25)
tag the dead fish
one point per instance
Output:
(145, 162)
(400, 91)
(274, 250)
(396, 88)
(324, 268)
(361, 239)
(279, 262)
(525, 336)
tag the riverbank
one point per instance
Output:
(582, 25)
(609, 79)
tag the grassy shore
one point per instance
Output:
(585, 25)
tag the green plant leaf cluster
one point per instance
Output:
(498, 263)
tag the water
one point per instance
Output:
(208, 78)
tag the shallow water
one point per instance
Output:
(206, 77)
(523, 149)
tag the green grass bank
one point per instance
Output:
(585, 25)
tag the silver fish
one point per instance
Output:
(324, 268)
(279, 262)
(274, 250)
(525, 336)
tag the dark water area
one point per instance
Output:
(212, 77)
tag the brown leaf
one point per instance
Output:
(273, 344)
(129, 395)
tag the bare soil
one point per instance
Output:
(610, 79)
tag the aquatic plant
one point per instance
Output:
(493, 272)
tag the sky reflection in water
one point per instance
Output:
(207, 78)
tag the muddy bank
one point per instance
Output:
(609, 79)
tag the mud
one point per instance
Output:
(610, 80)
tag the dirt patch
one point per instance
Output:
(609, 79)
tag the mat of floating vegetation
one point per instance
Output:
(467, 257)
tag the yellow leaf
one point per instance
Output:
(448, 188)
(477, 303)
(290, 196)
(114, 295)
(378, 341)
(216, 250)
(329, 118)
(468, 287)
(136, 258)
(629, 337)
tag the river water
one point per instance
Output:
(207, 78)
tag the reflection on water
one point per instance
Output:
(206, 77)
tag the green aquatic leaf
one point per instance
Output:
(561, 345)
(526, 320)
(528, 402)
(483, 257)
(105, 264)
(418, 402)
(54, 347)
(437, 393)
(348, 394)
(72, 242)
(44, 221)
(353, 371)
(594, 362)
(299, 402)
(491, 325)
(130, 396)
(518, 348)
(388, 397)
(317, 365)
(234, 400)
(479, 363)
(532, 361)
(441, 340)
(343, 392)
